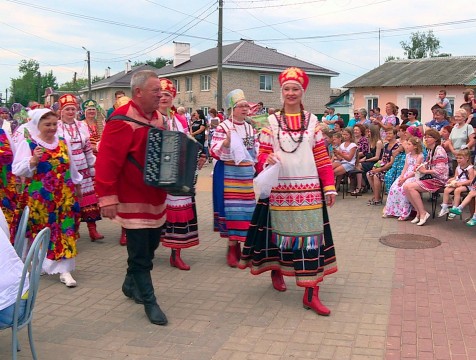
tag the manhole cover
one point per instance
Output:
(410, 241)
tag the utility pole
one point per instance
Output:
(39, 87)
(220, 57)
(6, 97)
(89, 71)
(378, 46)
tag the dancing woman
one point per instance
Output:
(294, 237)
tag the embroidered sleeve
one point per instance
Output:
(323, 164)
(217, 149)
(265, 147)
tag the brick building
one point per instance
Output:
(247, 66)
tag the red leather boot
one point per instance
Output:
(123, 239)
(311, 300)
(176, 260)
(231, 256)
(278, 280)
(238, 252)
(93, 233)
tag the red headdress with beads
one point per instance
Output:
(294, 74)
(67, 99)
(168, 86)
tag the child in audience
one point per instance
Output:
(458, 184)
(458, 209)
(345, 152)
(397, 202)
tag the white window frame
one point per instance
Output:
(177, 85)
(265, 83)
(205, 82)
(188, 84)
(371, 98)
(205, 110)
(415, 96)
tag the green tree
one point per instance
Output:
(391, 57)
(31, 84)
(421, 45)
(96, 78)
(74, 86)
(158, 62)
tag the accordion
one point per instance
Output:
(171, 161)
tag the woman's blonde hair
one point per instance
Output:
(462, 112)
(374, 135)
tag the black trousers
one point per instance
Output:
(141, 245)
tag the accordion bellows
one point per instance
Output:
(171, 161)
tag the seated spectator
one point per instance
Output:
(399, 157)
(363, 120)
(338, 125)
(469, 99)
(439, 120)
(471, 120)
(458, 209)
(11, 268)
(435, 168)
(460, 137)
(375, 153)
(362, 149)
(345, 152)
(377, 174)
(355, 119)
(403, 116)
(460, 183)
(412, 119)
(397, 202)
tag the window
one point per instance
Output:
(372, 103)
(177, 85)
(190, 110)
(452, 102)
(205, 110)
(188, 84)
(266, 83)
(204, 82)
(415, 103)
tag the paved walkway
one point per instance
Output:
(386, 303)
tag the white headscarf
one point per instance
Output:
(35, 116)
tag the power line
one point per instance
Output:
(372, 31)
(101, 20)
(276, 6)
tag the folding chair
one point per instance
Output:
(32, 268)
(19, 242)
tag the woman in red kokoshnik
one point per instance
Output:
(181, 228)
(290, 233)
(77, 135)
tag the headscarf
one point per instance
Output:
(35, 116)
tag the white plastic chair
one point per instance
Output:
(32, 268)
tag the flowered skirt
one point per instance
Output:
(261, 253)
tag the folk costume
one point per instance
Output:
(181, 228)
(94, 123)
(141, 208)
(50, 194)
(77, 135)
(233, 195)
(8, 191)
(290, 232)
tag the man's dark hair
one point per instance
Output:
(119, 92)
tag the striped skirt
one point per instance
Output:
(181, 228)
(308, 265)
(233, 199)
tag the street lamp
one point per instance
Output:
(89, 71)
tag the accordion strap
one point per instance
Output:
(129, 119)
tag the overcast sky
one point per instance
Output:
(342, 35)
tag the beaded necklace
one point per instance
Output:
(284, 126)
(248, 140)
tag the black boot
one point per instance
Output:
(129, 289)
(143, 282)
